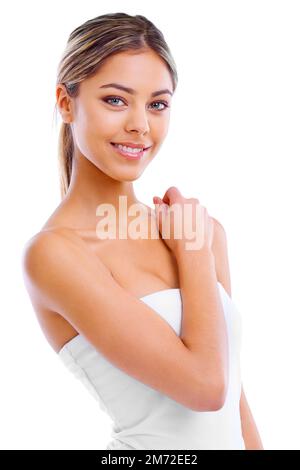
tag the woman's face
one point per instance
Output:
(103, 114)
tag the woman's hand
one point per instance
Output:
(177, 217)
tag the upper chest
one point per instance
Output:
(140, 266)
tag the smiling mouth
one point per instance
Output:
(134, 155)
(140, 148)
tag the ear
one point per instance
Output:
(64, 103)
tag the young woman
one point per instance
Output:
(146, 323)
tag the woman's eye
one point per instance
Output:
(112, 99)
(161, 102)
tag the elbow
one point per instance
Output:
(215, 397)
(220, 394)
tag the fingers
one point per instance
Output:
(197, 218)
(157, 200)
(171, 195)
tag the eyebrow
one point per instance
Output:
(132, 91)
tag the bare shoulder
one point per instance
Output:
(220, 250)
(48, 247)
(64, 234)
(52, 239)
(218, 227)
(40, 247)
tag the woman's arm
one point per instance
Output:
(249, 430)
(63, 276)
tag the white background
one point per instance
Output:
(233, 142)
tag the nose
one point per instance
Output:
(138, 121)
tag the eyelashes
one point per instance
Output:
(108, 98)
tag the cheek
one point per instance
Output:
(99, 121)
(159, 128)
(108, 125)
(102, 127)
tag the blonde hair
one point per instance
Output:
(88, 46)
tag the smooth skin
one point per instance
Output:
(67, 241)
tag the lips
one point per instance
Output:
(130, 155)
(134, 146)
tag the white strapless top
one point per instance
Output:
(144, 418)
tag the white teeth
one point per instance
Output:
(129, 149)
